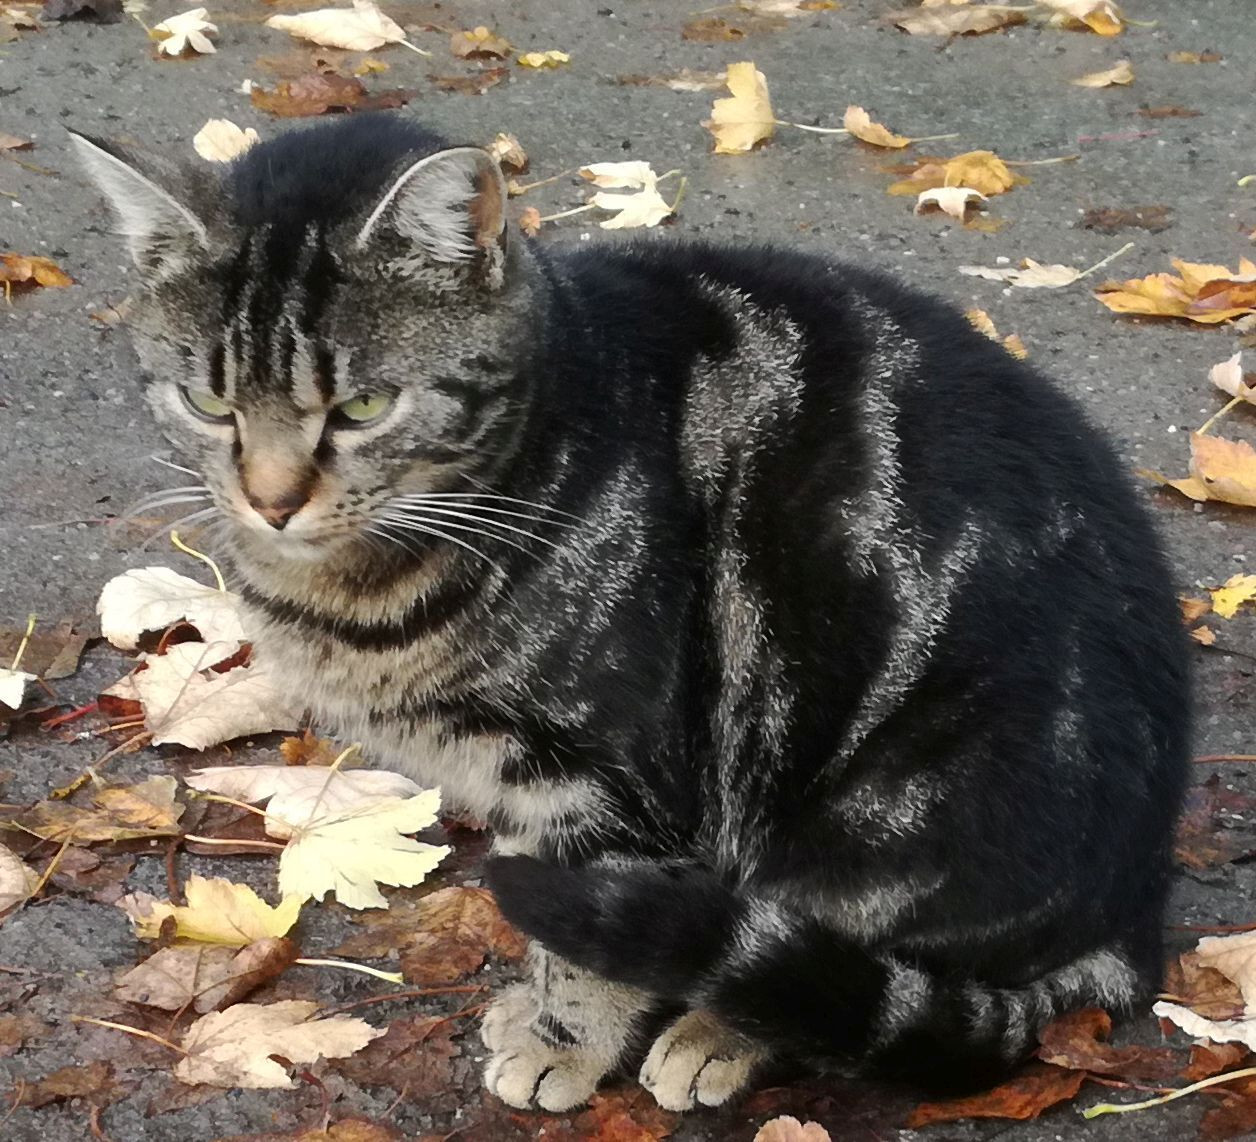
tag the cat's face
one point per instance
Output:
(323, 378)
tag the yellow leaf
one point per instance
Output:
(984, 324)
(347, 854)
(970, 20)
(982, 171)
(218, 911)
(123, 813)
(744, 120)
(1238, 589)
(1101, 16)
(859, 123)
(1205, 636)
(1119, 74)
(479, 43)
(233, 1048)
(1227, 468)
(538, 60)
(1193, 608)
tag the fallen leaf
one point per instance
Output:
(1203, 293)
(1241, 1030)
(309, 749)
(123, 812)
(1237, 590)
(153, 598)
(221, 141)
(683, 80)
(983, 323)
(982, 171)
(50, 652)
(789, 1129)
(92, 1081)
(23, 271)
(188, 32)
(1112, 220)
(218, 911)
(13, 685)
(86, 873)
(530, 221)
(1205, 636)
(1205, 990)
(298, 794)
(1030, 275)
(232, 1048)
(361, 28)
(14, 143)
(17, 879)
(101, 11)
(952, 200)
(479, 43)
(345, 1130)
(1101, 16)
(1078, 1041)
(1235, 1117)
(1228, 377)
(1035, 1089)
(321, 92)
(1119, 75)
(742, 121)
(1168, 111)
(1208, 1059)
(644, 208)
(477, 83)
(1193, 608)
(509, 153)
(1194, 57)
(711, 30)
(204, 977)
(414, 1055)
(17, 1029)
(859, 123)
(1233, 956)
(541, 60)
(970, 20)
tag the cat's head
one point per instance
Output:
(332, 323)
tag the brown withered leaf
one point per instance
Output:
(53, 652)
(121, 813)
(1212, 831)
(17, 1029)
(480, 43)
(1205, 636)
(1193, 609)
(1194, 57)
(416, 1056)
(1114, 219)
(530, 221)
(1235, 1117)
(477, 83)
(84, 872)
(94, 1082)
(324, 91)
(616, 1116)
(13, 143)
(24, 271)
(1203, 989)
(970, 20)
(788, 1129)
(1078, 1041)
(100, 11)
(1036, 1088)
(206, 977)
(1168, 111)
(509, 153)
(1209, 1058)
(309, 749)
(346, 1130)
(711, 30)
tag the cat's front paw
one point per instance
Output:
(527, 1070)
(698, 1060)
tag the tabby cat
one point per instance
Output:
(809, 656)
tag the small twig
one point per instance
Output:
(472, 1009)
(52, 867)
(387, 976)
(413, 47)
(93, 1124)
(1212, 928)
(71, 715)
(129, 1030)
(1203, 1084)
(566, 213)
(413, 993)
(1121, 1084)
(519, 188)
(21, 646)
(1041, 162)
(1216, 758)
(89, 774)
(313, 1080)
(1110, 258)
(196, 839)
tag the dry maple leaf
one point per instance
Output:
(456, 929)
(188, 32)
(17, 879)
(1241, 1030)
(233, 1048)
(1119, 75)
(1220, 469)
(122, 812)
(970, 20)
(25, 271)
(415, 1056)
(530, 221)
(859, 123)
(644, 208)
(1078, 1041)
(204, 976)
(509, 153)
(952, 200)
(788, 1129)
(983, 171)
(477, 83)
(1202, 292)
(983, 323)
(361, 28)
(221, 141)
(1035, 1089)
(1233, 956)
(297, 795)
(541, 60)
(1228, 376)
(742, 121)
(217, 911)
(1030, 275)
(1205, 636)
(1226, 600)
(153, 598)
(309, 749)
(13, 685)
(1101, 16)
(321, 92)
(480, 43)
(190, 699)
(348, 854)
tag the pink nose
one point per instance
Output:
(278, 514)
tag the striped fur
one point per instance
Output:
(810, 657)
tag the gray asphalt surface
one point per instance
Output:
(75, 438)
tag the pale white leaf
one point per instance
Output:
(17, 879)
(645, 208)
(357, 29)
(1219, 1031)
(631, 175)
(221, 140)
(1235, 958)
(152, 598)
(186, 30)
(1228, 377)
(953, 200)
(13, 686)
(1030, 275)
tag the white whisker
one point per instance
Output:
(171, 464)
(411, 525)
(425, 497)
(182, 521)
(421, 514)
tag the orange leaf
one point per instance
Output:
(1032, 1091)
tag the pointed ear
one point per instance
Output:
(451, 206)
(162, 234)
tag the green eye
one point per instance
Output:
(365, 407)
(206, 405)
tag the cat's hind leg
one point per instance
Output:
(699, 1060)
(553, 1038)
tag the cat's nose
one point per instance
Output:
(278, 513)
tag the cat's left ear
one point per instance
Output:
(162, 233)
(451, 207)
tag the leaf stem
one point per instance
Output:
(414, 47)
(1041, 162)
(174, 538)
(129, 1030)
(21, 646)
(817, 130)
(386, 976)
(199, 840)
(1203, 1084)
(1110, 258)
(566, 213)
(1214, 758)
(1216, 416)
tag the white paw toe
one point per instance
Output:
(698, 1060)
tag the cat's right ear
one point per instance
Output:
(162, 234)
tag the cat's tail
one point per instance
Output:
(778, 974)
